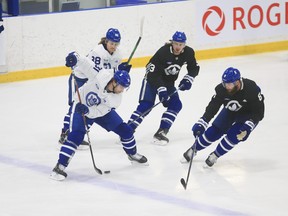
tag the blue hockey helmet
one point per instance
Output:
(179, 37)
(113, 35)
(122, 78)
(231, 75)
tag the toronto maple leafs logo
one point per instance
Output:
(92, 99)
(172, 69)
(233, 105)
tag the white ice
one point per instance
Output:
(249, 180)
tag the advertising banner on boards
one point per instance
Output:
(240, 20)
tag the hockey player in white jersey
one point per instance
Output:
(105, 55)
(99, 98)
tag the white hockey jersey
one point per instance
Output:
(93, 93)
(102, 60)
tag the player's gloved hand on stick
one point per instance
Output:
(81, 108)
(245, 130)
(124, 66)
(71, 59)
(163, 96)
(199, 127)
(186, 82)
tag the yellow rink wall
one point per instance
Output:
(142, 61)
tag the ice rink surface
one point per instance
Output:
(249, 180)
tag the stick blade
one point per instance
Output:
(183, 183)
(98, 170)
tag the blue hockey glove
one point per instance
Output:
(186, 82)
(245, 130)
(71, 59)
(81, 108)
(124, 66)
(199, 127)
(163, 96)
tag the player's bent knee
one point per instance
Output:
(175, 104)
(213, 133)
(124, 131)
(76, 137)
(232, 135)
(144, 105)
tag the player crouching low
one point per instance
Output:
(243, 109)
(96, 102)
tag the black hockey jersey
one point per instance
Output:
(164, 67)
(248, 100)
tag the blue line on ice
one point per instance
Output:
(128, 189)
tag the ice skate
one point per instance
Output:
(188, 155)
(58, 173)
(138, 159)
(160, 137)
(211, 160)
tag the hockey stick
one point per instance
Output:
(138, 41)
(183, 182)
(147, 111)
(99, 171)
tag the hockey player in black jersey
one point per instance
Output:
(161, 73)
(243, 109)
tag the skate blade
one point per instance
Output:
(205, 166)
(183, 160)
(57, 177)
(159, 142)
(135, 163)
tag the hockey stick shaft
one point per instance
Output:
(138, 41)
(183, 182)
(99, 171)
(147, 111)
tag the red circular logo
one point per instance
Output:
(217, 30)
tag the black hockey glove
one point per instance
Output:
(199, 127)
(124, 66)
(71, 59)
(186, 83)
(245, 130)
(163, 96)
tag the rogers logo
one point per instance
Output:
(255, 16)
(217, 30)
